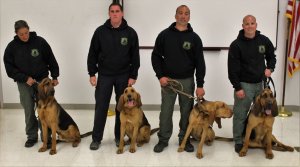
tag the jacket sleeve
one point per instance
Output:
(135, 56)
(200, 63)
(11, 70)
(50, 60)
(233, 64)
(270, 55)
(92, 60)
(157, 57)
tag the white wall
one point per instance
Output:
(69, 36)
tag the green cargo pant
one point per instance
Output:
(27, 101)
(241, 108)
(168, 98)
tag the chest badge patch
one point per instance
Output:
(261, 49)
(124, 41)
(186, 45)
(35, 52)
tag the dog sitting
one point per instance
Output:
(201, 120)
(134, 124)
(53, 116)
(260, 125)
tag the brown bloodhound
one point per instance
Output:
(53, 116)
(134, 123)
(260, 125)
(201, 120)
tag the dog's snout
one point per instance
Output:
(129, 97)
(52, 92)
(269, 104)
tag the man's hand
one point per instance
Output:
(163, 81)
(131, 82)
(240, 94)
(93, 80)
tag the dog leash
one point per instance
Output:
(267, 81)
(178, 88)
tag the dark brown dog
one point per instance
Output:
(53, 116)
(201, 120)
(134, 124)
(260, 125)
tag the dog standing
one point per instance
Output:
(201, 120)
(260, 125)
(53, 116)
(134, 123)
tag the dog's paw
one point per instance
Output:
(120, 151)
(140, 144)
(199, 155)
(75, 144)
(132, 150)
(180, 149)
(52, 152)
(43, 149)
(269, 155)
(242, 153)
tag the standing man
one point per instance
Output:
(28, 58)
(177, 53)
(246, 70)
(114, 55)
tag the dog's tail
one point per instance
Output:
(223, 138)
(154, 130)
(86, 134)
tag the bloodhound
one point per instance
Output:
(260, 125)
(134, 123)
(53, 116)
(201, 120)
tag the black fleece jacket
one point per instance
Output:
(177, 54)
(114, 51)
(33, 58)
(246, 59)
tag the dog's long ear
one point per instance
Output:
(218, 121)
(274, 108)
(120, 105)
(139, 100)
(257, 106)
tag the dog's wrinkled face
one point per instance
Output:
(131, 98)
(223, 110)
(46, 88)
(266, 103)
(267, 99)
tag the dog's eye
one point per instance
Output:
(271, 95)
(264, 96)
(132, 90)
(126, 90)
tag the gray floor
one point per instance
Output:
(13, 152)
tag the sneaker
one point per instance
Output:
(30, 142)
(188, 146)
(94, 145)
(159, 147)
(238, 147)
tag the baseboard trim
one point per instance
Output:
(151, 107)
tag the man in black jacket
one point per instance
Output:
(246, 69)
(177, 54)
(114, 55)
(28, 58)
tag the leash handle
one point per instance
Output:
(267, 81)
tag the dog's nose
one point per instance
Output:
(269, 104)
